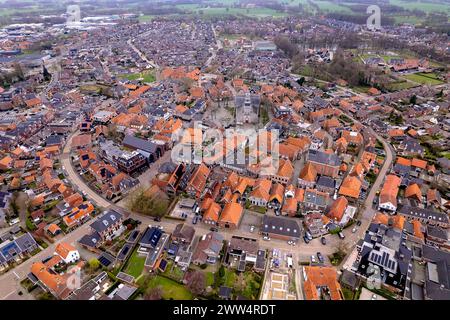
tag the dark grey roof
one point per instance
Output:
(53, 140)
(26, 242)
(281, 226)
(349, 278)
(325, 158)
(437, 232)
(90, 240)
(141, 144)
(105, 221)
(124, 252)
(225, 292)
(433, 254)
(311, 196)
(151, 237)
(184, 232)
(415, 212)
(325, 181)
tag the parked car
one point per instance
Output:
(313, 259)
(320, 257)
(358, 223)
(308, 235)
(213, 229)
(157, 219)
(354, 229)
(252, 228)
(194, 220)
(323, 240)
(341, 235)
(267, 238)
(305, 238)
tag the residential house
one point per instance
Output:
(240, 252)
(109, 225)
(231, 215)
(260, 195)
(321, 283)
(68, 253)
(13, 250)
(197, 182)
(314, 223)
(325, 163)
(307, 177)
(281, 228)
(208, 249)
(350, 188)
(388, 194)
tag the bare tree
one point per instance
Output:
(196, 282)
(154, 293)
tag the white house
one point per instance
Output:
(67, 252)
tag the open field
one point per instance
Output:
(135, 265)
(422, 5)
(146, 76)
(250, 12)
(170, 288)
(424, 78)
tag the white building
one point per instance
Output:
(67, 252)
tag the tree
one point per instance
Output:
(153, 206)
(196, 282)
(94, 264)
(154, 293)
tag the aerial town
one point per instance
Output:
(225, 150)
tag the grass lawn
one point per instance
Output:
(135, 265)
(146, 76)
(250, 12)
(173, 272)
(424, 78)
(209, 278)
(252, 284)
(427, 7)
(445, 154)
(171, 289)
(400, 85)
(145, 18)
(348, 294)
(331, 7)
(361, 89)
(230, 278)
(258, 209)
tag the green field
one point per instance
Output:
(146, 76)
(401, 85)
(146, 18)
(422, 5)
(424, 78)
(251, 12)
(330, 6)
(209, 278)
(135, 265)
(170, 288)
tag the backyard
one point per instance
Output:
(424, 78)
(135, 265)
(170, 288)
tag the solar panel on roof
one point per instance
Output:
(384, 259)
